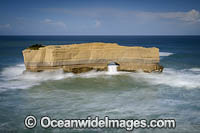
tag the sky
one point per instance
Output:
(99, 17)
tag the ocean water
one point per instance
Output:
(173, 94)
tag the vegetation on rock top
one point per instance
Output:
(35, 46)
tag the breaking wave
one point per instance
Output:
(14, 77)
(185, 78)
(195, 69)
(165, 53)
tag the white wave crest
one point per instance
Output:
(195, 69)
(15, 77)
(175, 78)
(93, 74)
(165, 53)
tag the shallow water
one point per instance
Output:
(171, 94)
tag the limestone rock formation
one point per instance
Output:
(84, 57)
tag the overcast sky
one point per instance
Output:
(99, 17)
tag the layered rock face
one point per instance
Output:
(84, 57)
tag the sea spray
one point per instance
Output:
(14, 77)
(165, 53)
(112, 69)
(185, 78)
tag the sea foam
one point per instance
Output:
(165, 53)
(14, 77)
(195, 69)
(185, 78)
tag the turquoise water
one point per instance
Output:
(175, 93)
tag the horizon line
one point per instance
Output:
(100, 35)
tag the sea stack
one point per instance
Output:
(84, 57)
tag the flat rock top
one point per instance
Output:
(84, 45)
(95, 45)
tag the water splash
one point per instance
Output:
(165, 53)
(112, 69)
(185, 78)
(14, 77)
